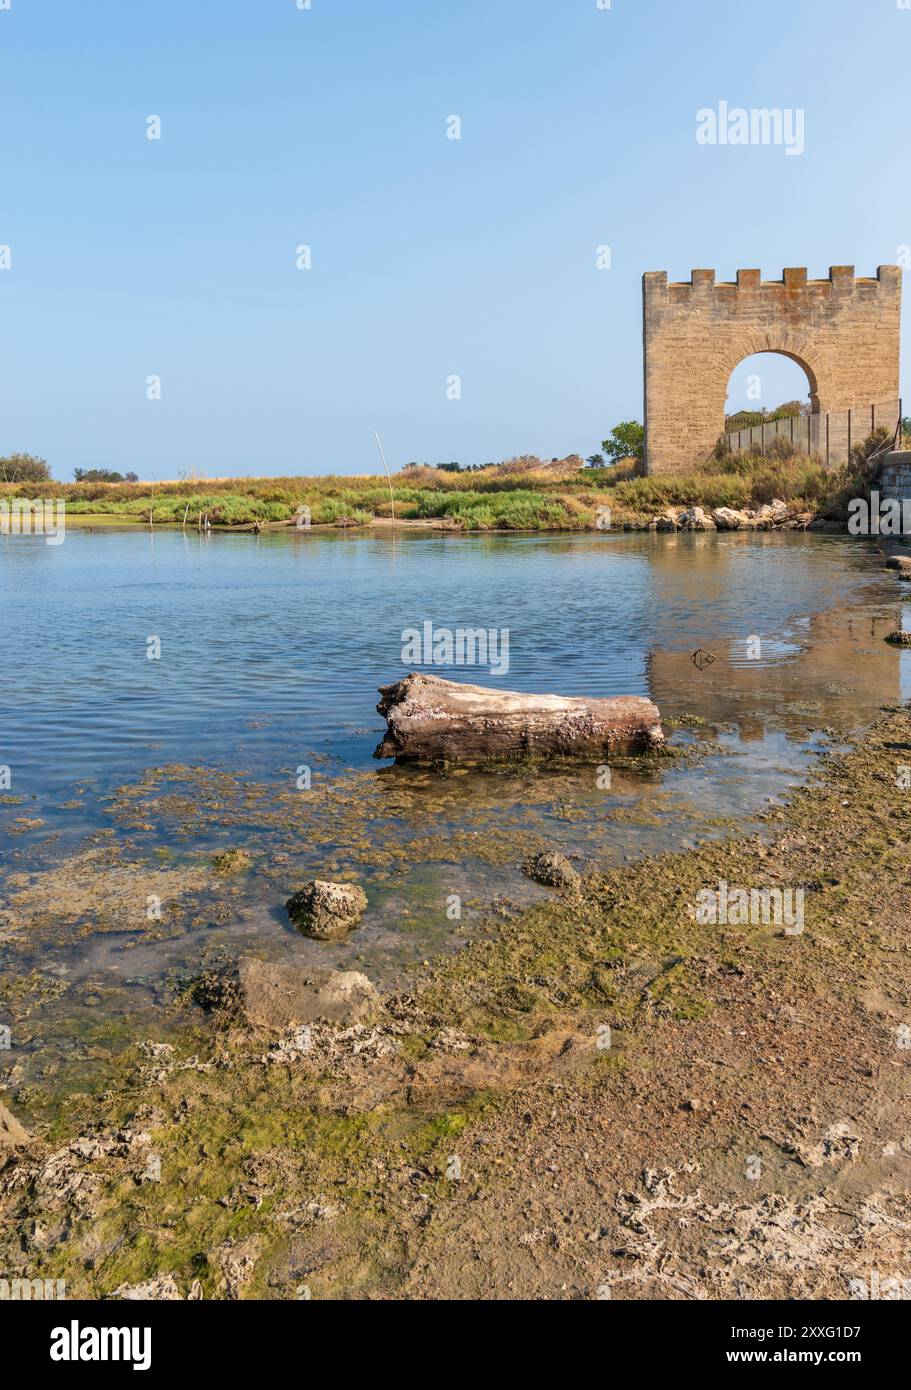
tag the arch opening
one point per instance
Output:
(767, 384)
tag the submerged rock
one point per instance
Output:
(327, 910)
(285, 996)
(553, 869)
(899, 639)
(231, 861)
(902, 563)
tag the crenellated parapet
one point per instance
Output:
(841, 279)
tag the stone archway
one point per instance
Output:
(844, 332)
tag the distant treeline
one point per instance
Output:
(747, 419)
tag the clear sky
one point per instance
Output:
(431, 257)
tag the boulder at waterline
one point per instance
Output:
(551, 868)
(726, 519)
(327, 910)
(695, 519)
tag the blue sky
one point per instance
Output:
(430, 257)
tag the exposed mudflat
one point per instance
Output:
(597, 1095)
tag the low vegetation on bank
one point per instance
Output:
(521, 494)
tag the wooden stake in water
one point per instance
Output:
(388, 479)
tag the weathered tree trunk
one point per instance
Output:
(439, 721)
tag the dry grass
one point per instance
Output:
(524, 493)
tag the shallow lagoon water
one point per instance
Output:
(272, 649)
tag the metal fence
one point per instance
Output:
(830, 435)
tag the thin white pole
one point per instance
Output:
(388, 479)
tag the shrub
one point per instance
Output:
(23, 468)
(857, 477)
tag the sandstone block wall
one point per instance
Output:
(844, 331)
(894, 479)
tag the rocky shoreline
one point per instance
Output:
(773, 516)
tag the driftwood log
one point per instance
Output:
(438, 721)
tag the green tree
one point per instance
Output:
(97, 475)
(627, 440)
(23, 468)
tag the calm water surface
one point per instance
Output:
(272, 650)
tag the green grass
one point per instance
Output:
(517, 509)
(477, 501)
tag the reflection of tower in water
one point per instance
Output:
(821, 668)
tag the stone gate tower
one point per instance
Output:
(843, 331)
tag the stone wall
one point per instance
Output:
(843, 331)
(894, 477)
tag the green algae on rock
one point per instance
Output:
(231, 861)
(326, 910)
